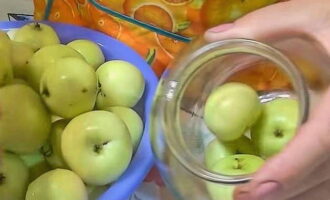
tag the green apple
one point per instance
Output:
(90, 50)
(5, 41)
(36, 163)
(52, 149)
(239, 164)
(14, 176)
(216, 149)
(220, 191)
(57, 184)
(44, 58)
(17, 81)
(231, 109)
(94, 192)
(132, 120)
(55, 118)
(24, 122)
(121, 84)
(6, 70)
(37, 35)
(233, 165)
(20, 54)
(97, 146)
(11, 33)
(276, 127)
(69, 88)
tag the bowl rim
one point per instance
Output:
(143, 159)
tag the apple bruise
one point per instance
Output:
(2, 178)
(84, 90)
(99, 147)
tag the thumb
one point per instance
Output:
(270, 21)
(290, 167)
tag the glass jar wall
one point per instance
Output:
(286, 67)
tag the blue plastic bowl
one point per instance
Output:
(114, 49)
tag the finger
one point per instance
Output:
(319, 175)
(319, 192)
(284, 170)
(271, 21)
(308, 150)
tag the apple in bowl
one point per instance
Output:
(50, 74)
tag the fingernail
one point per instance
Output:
(265, 190)
(221, 28)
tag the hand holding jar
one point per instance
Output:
(302, 170)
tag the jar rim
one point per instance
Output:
(174, 91)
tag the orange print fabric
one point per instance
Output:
(188, 18)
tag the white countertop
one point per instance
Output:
(15, 6)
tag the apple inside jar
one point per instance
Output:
(229, 114)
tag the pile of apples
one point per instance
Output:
(247, 132)
(67, 125)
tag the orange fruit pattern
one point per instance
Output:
(263, 75)
(147, 13)
(188, 18)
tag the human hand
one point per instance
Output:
(302, 170)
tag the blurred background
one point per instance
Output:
(25, 7)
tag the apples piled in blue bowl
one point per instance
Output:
(247, 130)
(67, 125)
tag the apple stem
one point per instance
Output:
(279, 133)
(2, 178)
(37, 26)
(237, 164)
(99, 147)
(45, 92)
(46, 150)
(100, 89)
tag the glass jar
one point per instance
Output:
(297, 67)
